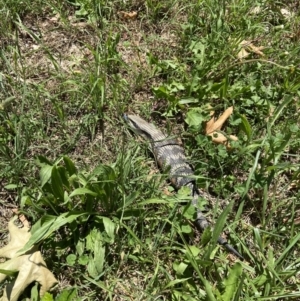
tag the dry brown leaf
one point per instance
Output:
(213, 127)
(257, 50)
(221, 138)
(243, 53)
(216, 125)
(127, 15)
(31, 267)
(210, 123)
(247, 47)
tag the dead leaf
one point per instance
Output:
(213, 127)
(243, 53)
(257, 50)
(221, 138)
(216, 125)
(247, 47)
(31, 266)
(127, 16)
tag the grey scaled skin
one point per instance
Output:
(170, 155)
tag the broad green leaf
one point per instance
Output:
(189, 211)
(221, 222)
(34, 294)
(64, 176)
(294, 128)
(83, 259)
(99, 254)
(62, 220)
(175, 282)
(66, 198)
(282, 147)
(90, 239)
(45, 174)
(186, 228)
(216, 86)
(80, 247)
(38, 234)
(82, 191)
(71, 259)
(232, 282)
(70, 166)
(180, 267)
(91, 267)
(41, 222)
(46, 229)
(194, 118)
(246, 127)
(161, 92)
(261, 279)
(105, 171)
(25, 200)
(206, 236)
(56, 182)
(67, 295)
(47, 297)
(194, 250)
(109, 226)
(11, 186)
(82, 179)
(213, 253)
(258, 239)
(43, 160)
(184, 191)
(176, 86)
(184, 101)
(130, 199)
(219, 24)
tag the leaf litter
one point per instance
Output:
(31, 267)
(213, 127)
(247, 47)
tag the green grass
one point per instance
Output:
(116, 231)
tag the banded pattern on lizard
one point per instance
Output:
(170, 155)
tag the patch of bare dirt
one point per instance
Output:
(51, 46)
